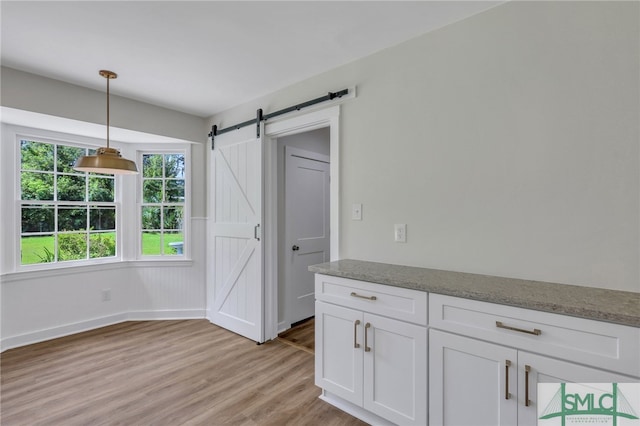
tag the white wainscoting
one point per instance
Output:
(37, 306)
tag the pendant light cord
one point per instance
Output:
(108, 111)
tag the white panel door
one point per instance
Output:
(237, 299)
(306, 227)
(395, 370)
(339, 344)
(468, 383)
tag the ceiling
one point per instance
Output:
(202, 57)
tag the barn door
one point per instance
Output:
(237, 272)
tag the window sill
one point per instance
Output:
(24, 275)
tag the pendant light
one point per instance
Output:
(107, 160)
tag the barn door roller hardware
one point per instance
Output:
(264, 117)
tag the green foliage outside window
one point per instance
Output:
(163, 197)
(61, 208)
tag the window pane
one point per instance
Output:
(173, 218)
(152, 191)
(174, 166)
(36, 186)
(102, 218)
(37, 249)
(175, 191)
(152, 165)
(71, 188)
(67, 156)
(38, 219)
(36, 156)
(102, 244)
(173, 243)
(151, 243)
(72, 246)
(101, 188)
(72, 218)
(151, 218)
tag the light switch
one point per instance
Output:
(356, 212)
(400, 232)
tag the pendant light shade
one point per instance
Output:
(107, 160)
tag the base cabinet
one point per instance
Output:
(485, 360)
(477, 383)
(536, 369)
(471, 382)
(374, 362)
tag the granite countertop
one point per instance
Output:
(619, 307)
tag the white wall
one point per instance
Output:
(30, 92)
(36, 306)
(507, 142)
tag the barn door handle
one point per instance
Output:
(295, 248)
(255, 232)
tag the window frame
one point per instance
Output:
(56, 139)
(166, 149)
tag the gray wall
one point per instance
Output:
(30, 92)
(507, 142)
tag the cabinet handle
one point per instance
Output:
(354, 294)
(355, 334)
(508, 327)
(527, 369)
(507, 364)
(366, 344)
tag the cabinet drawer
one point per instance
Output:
(394, 302)
(608, 346)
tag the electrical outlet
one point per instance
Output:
(400, 232)
(106, 294)
(356, 212)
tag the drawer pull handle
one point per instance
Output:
(354, 294)
(521, 330)
(527, 369)
(366, 344)
(355, 334)
(507, 364)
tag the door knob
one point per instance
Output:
(295, 248)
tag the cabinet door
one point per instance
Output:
(395, 370)
(470, 382)
(548, 370)
(338, 358)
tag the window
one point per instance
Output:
(65, 215)
(163, 204)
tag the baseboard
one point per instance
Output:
(61, 331)
(79, 327)
(354, 410)
(283, 326)
(170, 314)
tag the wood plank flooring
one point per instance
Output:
(187, 372)
(300, 335)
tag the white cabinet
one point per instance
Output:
(485, 360)
(468, 381)
(375, 362)
(542, 369)
(494, 382)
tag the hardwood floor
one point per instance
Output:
(186, 372)
(300, 335)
